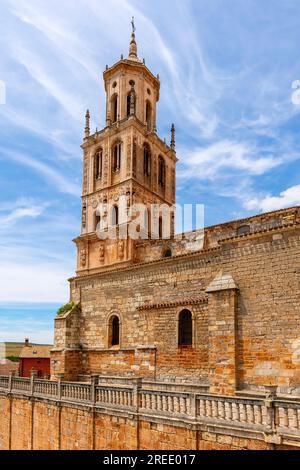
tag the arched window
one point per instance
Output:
(98, 164)
(185, 332)
(147, 160)
(115, 216)
(114, 108)
(148, 115)
(114, 331)
(168, 253)
(116, 157)
(161, 172)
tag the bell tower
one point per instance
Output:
(126, 160)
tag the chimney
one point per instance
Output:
(26, 341)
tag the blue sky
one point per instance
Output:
(226, 68)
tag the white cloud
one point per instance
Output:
(288, 198)
(296, 94)
(225, 156)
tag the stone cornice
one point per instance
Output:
(189, 301)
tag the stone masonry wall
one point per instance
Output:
(42, 425)
(149, 297)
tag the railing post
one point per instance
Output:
(269, 404)
(94, 383)
(137, 386)
(10, 377)
(59, 386)
(193, 405)
(33, 376)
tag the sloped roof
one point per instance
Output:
(41, 351)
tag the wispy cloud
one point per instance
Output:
(226, 156)
(23, 209)
(48, 172)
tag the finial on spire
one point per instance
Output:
(173, 143)
(133, 45)
(133, 25)
(87, 130)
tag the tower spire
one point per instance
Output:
(87, 130)
(173, 142)
(133, 45)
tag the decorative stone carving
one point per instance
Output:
(83, 257)
(84, 216)
(121, 248)
(101, 253)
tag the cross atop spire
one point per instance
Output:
(133, 45)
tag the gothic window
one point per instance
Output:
(160, 228)
(185, 329)
(115, 216)
(98, 164)
(114, 331)
(114, 108)
(128, 104)
(168, 253)
(116, 157)
(148, 115)
(161, 172)
(147, 160)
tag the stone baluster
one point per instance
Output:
(165, 403)
(202, 407)
(176, 405)
(228, 411)
(159, 403)
(182, 406)
(250, 414)
(153, 401)
(208, 408)
(214, 409)
(257, 414)
(293, 418)
(221, 410)
(243, 413)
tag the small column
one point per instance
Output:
(87, 130)
(222, 300)
(173, 142)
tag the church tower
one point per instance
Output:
(124, 161)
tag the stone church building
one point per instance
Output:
(223, 313)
